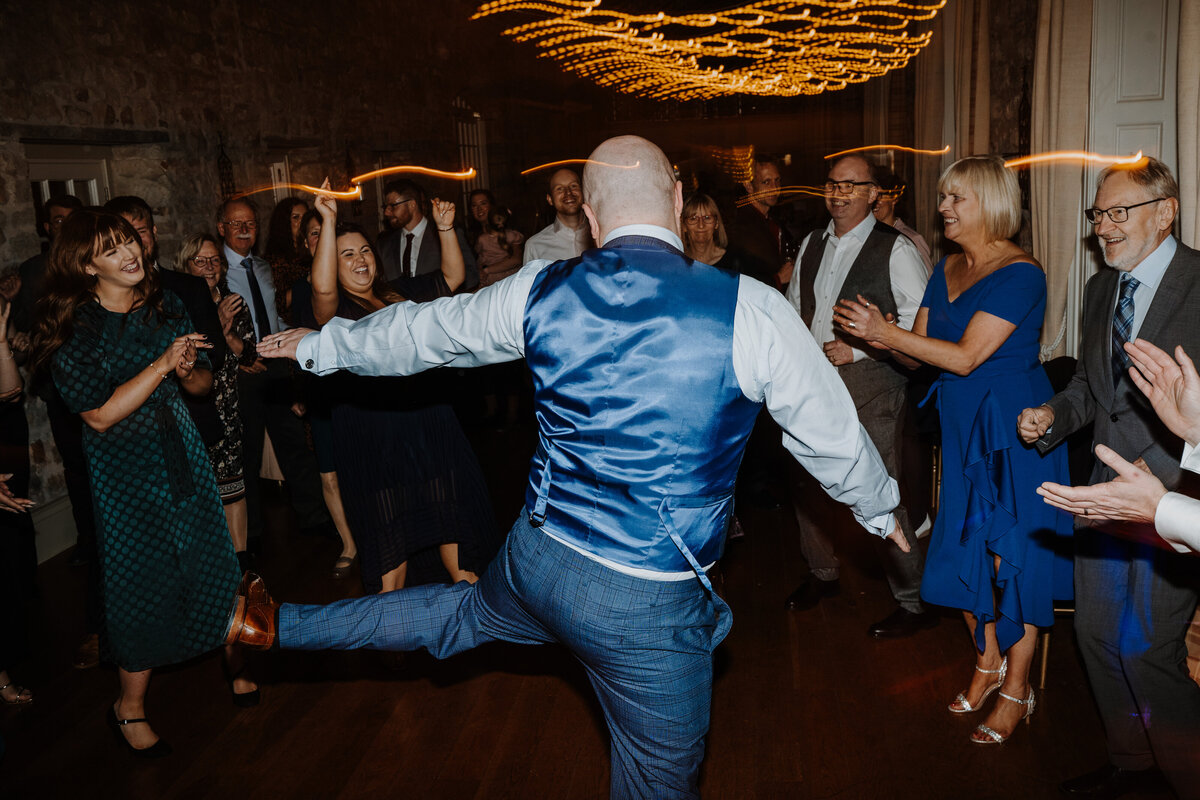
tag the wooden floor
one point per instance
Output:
(805, 705)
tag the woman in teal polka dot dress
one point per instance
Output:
(120, 351)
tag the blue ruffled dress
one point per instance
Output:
(989, 506)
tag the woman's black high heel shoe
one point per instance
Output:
(157, 750)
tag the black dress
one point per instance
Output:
(408, 477)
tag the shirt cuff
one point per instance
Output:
(1191, 458)
(882, 525)
(1174, 515)
(306, 352)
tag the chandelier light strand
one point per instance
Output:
(774, 48)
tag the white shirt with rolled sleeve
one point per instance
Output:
(1177, 518)
(775, 361)
(908, 279)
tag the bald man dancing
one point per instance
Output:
(648, 371)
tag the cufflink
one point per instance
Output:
(308, 364)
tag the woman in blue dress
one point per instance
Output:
(997, 552)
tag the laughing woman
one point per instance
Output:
(997, 552)
(120, 351)
(412, 487)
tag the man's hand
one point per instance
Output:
(897, 536)
(1173, 388)
(282, 344)
(1131, 497)
(1034, 422)
(838, 352)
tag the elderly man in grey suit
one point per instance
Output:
(410, 247)
(1134, 601)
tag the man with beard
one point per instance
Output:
(408, 247)
(568, 235)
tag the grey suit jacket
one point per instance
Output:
(1123, 417)
(390, 250)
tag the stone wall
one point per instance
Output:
(333, 87)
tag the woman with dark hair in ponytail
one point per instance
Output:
(121, 351)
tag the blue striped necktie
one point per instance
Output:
(1122, 326)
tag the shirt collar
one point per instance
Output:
(233, 259)
(860, 231)
(653, 231)
(1151, 270)
(418, 230)
(559, 227)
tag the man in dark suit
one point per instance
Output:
(409, 248)
(267, 398)
(758, 230)
(1134, 601)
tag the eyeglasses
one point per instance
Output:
(241, 225)
(845, 187)
(386, 206)
(700, 219)
(1116, 213)
(200, 261)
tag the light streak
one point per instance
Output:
(812, 191)
(549, 164)
(350, 194)
(901, 148)
(1075, 155)
(464, 175)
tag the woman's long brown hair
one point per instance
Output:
(83, 235)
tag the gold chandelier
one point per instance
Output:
(767, 48)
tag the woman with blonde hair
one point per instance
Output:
(997, 552)
(705, 239)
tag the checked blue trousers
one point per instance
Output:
(646, 645)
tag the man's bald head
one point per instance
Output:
(628, 180)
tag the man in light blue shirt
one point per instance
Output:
(266, 398)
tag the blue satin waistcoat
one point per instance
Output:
(641, 420)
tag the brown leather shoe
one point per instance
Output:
(252, 623)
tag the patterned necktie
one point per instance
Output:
(1122, 326)
(408, 237)
(262, 321)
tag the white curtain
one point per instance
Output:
(1188, 105)
(1061, 71)
(972, 87)
(929, 108)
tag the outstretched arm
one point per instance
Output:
(405, 338)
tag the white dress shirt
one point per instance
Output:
(418, 232)
(775, 361)
(907, 271)
(556, 241)
(1177, 518)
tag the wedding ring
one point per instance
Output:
(852, 325)
(278, 343)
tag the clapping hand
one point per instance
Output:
(228, 309)
(1172, 386)
(180, 355)
(863, 320)
(9, 501)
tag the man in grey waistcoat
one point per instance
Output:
(857, 255)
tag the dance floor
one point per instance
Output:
(805, 705)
